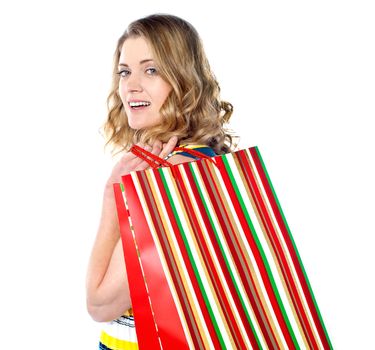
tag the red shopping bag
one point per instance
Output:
(211, 261)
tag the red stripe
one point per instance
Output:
(211, 267)
(211, 233)
(267, 224)
(166, 315)
(196, 337)
(141, 309)
(291, 249)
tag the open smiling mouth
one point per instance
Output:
(139, 105)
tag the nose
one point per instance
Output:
(134, 83)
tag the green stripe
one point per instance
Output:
(205, 200)
(192, 260)
(259, 245)
(294, 245)
(122, 187)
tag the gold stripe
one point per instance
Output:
(117, 344)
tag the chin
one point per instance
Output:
(139, 126)
(136, 126)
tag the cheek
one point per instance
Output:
(120, 89)
(164, 91)
(121, 92)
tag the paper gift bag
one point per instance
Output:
(211, 261)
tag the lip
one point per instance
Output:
(137, 100)
(139, 108)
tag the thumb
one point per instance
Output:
(169, 147)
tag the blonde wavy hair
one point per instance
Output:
(193, 110)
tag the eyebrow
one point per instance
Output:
(141, 62)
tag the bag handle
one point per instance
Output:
(155, 161)
(149, 157)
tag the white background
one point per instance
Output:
(301, 78)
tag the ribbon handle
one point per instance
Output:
(153, 160)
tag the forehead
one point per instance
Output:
(134, 50)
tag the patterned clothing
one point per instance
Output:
(200, 148)
(120, 334)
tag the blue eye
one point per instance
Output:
(151, 71)
(123, 73)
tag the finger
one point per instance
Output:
(130, 161)
(130, 157)
(129, 152)
(142, 166)
(168, 147)
(140, 144)
(157, 147)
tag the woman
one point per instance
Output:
(163, 94)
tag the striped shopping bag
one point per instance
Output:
(210, 258)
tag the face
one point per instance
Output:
(141, 88)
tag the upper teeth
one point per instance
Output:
(136, 104)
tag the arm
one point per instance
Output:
(107, 289)
(106, 284)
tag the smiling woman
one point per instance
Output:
(163, 94)
(142, 90)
